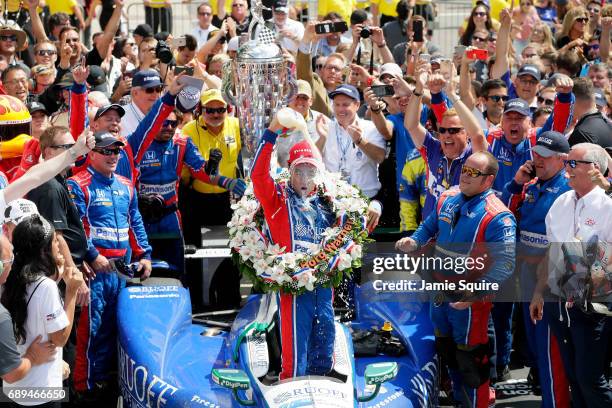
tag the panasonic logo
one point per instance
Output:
(516, 103)
(545, 140)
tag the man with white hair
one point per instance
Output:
(582, 322)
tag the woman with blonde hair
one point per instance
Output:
(542, 35)
(574, 29)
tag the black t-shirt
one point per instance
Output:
(54, 203)
(592, 128)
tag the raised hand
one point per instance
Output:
(80, 74)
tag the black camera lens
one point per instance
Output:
(163, 52)
(365, 32)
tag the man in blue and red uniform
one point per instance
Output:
(464, 220)
(108, 118)
(296, 217)
(530, 199)
(511, 145)
(160, 173)
(108, 206)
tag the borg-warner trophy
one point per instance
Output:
(258, 82)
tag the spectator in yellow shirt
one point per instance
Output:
(70, 7)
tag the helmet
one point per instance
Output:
(13, 111)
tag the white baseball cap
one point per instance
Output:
(19, 209)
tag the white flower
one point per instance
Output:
(356, 252)
(277, 272)
(345, 261)
(260, 266)
(290, 260)
(245, 251)
(307, 280)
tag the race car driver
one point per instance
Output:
(160, 173)
(108, 207)
(471, 215)
(296, 218)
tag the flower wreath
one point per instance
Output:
(271, 269)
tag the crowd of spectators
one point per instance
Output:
(384, 106)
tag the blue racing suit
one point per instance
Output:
(458, 224)
(531, 202)
(296, 223)
(109, 210)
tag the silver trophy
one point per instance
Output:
(258, 82)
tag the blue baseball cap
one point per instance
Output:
(146, 79)
(531, 70)
(347, 90)
(517, 105)
(550, 143)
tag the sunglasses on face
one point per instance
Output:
(450, 130)
(525, 4)
(108, 151)
(72, 40)
(212, 111)
(46, 53)
(479, 39)
(497, 98)
(205, 14)
(63, 146)
(319, 66)
(547, 102)
(582, 19)
(8, 38)
(472, 172)
(169, 123)
(155, 89)
(574, 163)
(480, 14)
(593, 10)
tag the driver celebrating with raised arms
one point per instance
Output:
(296, 217)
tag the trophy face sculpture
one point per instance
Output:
(258, 82)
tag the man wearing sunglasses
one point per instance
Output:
(147, 87)
(12, 41)
(530, 199)
(108, 207)
(474, 215)
(108, 118)
(582, 324)
(212, 129)
(160, 172)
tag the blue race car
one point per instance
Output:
(169, 358)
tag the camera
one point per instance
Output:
(163, 52)
(366, 32)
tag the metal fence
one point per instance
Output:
(451, 15)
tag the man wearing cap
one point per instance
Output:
(297, 217)
(108, 118)
(290, 32)
(108, 207)
(591, 126)
(147, 87)
(601, 102)
(160, 172)
(301, 103)
(530, 199)
(211, 129)
(353, 146)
